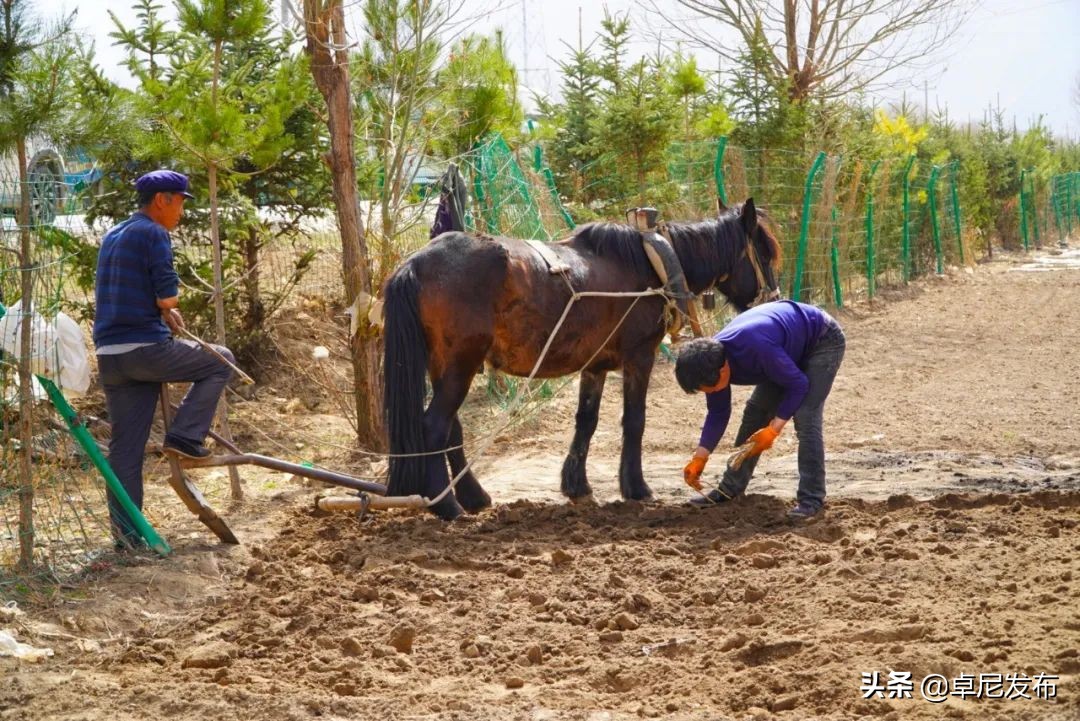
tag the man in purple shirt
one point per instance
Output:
(790, 353)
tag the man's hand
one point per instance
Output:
(173, 319)
(694, 469)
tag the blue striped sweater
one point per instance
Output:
(134, 270)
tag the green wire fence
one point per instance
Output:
(849, 225)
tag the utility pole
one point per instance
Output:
(524, 44)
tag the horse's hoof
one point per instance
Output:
(448, 509)
(475, 505)
(586, 500)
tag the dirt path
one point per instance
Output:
(962, 383)
(949, 547)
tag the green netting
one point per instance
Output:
(504, 196)
(1065, 203)
(847, 225)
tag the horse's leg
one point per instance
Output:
(472, 497)
(636, 371)
(575, 483)
(450, 390)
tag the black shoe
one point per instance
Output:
(128, 544)
(713, 498)
(185, 448)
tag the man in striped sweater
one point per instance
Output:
(137, 298)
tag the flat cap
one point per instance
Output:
(163, 181)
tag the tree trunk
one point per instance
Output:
(215, 244)
(256, 311)
(325, 33)
(237, 490)
(26, 378)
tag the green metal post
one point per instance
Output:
(954, 168)
(838, 294)
(1034, 210)
(1023, 212)
(804, 228)
(82, 435)
(538, 158)
(905, 245)
(549, 178)
(78, 430)
(871, 269)
(718, 169)
(489, 214)
(932, 198)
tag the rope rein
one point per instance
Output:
(512, 409)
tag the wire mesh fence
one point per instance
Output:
(848, 225)
(52, 507)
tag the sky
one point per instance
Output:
(1020, 56)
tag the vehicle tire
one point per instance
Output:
(46, 191)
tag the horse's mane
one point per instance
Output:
(712, 245)
(614, 240)
(769, 228)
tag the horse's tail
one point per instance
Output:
(405, 366)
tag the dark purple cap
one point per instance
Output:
(163, 181)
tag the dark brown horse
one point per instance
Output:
(466, 299)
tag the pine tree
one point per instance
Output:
(36, 66)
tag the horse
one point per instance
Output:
(467, 299)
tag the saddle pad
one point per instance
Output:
(554, 265)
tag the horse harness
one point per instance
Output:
(660, 251)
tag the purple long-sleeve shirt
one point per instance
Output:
(766, 343)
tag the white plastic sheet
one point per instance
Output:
(57, 349)
(10, 646)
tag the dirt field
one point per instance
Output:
(950, 546)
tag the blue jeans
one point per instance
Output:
(132, 383)
(820, 367)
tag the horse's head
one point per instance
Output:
(752, 279)
(736, 253)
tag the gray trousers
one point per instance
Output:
(132, 383)
(820, 367)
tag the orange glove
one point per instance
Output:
(762, 440)
(692, 473)
(755, 445)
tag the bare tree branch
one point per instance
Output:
(825, 48)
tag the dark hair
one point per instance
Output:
(146, 197)
(699, 364)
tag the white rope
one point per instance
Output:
(513, 408)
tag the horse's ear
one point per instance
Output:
(748, 218)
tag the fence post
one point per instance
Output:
(1034, 209)
(871, 266)
(954, 168)
(905, 246)
(804, 229)
(549, 180)
(1023, 211)
(932, 198)
(838, 294)
(718, 169)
